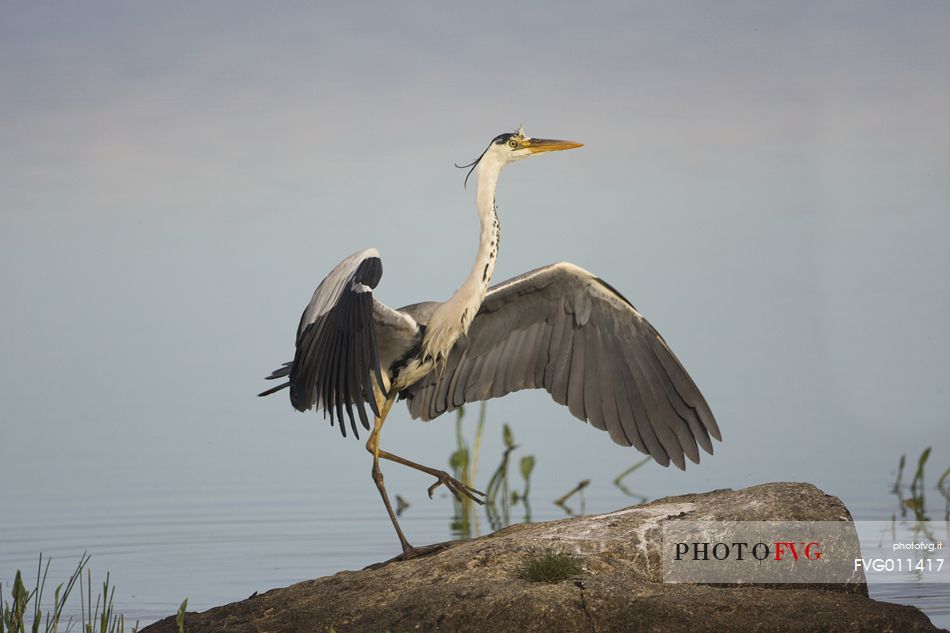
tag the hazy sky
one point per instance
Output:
(768, 182)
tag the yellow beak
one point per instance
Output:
(536, 145)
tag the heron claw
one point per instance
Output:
(457, 488)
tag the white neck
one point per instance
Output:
(453, 318)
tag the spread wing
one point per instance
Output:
(563, 329)
(337, 351)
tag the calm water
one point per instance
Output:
(216, 543)
(164, 218)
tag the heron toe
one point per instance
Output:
(456, 487)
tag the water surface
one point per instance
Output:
(215, 542)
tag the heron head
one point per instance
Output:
(513, 146)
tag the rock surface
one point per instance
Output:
(475, 585)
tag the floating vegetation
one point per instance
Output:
(900, 474)
(502, 494)
(464, 464)
(550, 567)
(526, 467)
(918, 480)
(499, 498)
(619, 479)
(916, 501)
(497, 493)
(944, 487)
(576, 490)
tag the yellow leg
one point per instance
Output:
(372, 445)
(455, 486)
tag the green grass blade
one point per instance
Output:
(900, 473)
(507, 436)
(38, 592)
(919, 475)
(550, 567)
(180, 617)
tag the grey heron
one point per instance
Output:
(558, 327)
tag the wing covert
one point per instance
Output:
(337, 354)
(562, 329)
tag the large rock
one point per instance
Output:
(476, 586)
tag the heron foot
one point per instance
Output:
(456, 487)
(425, 550)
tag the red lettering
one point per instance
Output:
(780, 547)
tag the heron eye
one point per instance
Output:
(513, 143)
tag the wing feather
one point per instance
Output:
(561, 352)
(460, 378)
(543, 357)
(639, 433)
(575, 387)
(690, 432)
(685, 386)
(337, 364)
(563, 329)
(475, 381)
(608, 400)
(641, 417)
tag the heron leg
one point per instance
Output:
(372, 445)
(455, 486)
